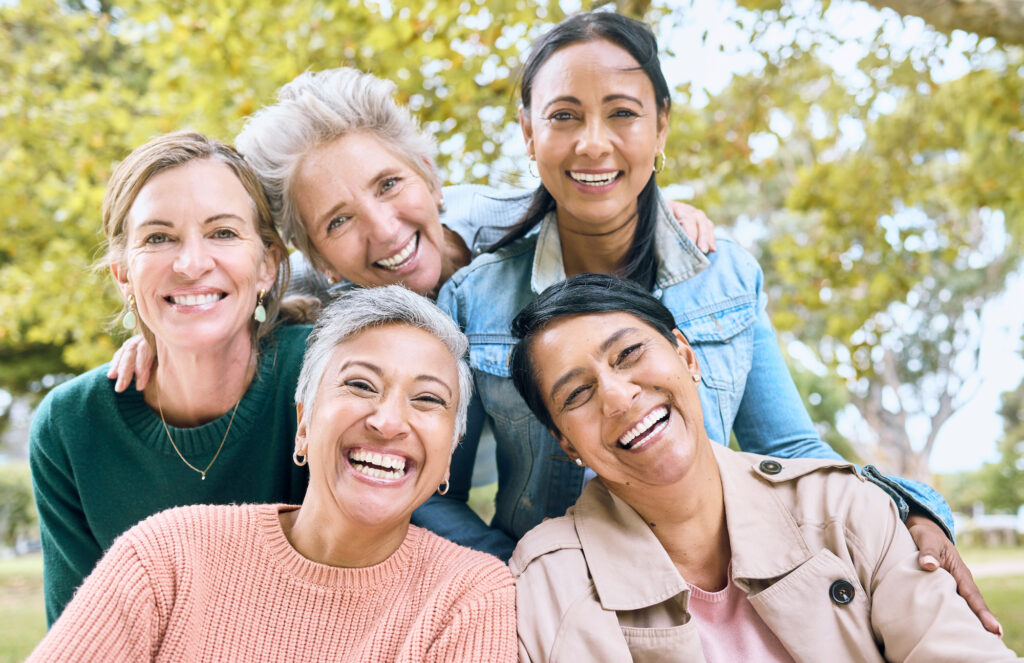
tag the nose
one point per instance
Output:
(617, 393)
(381, 222)
(593, 141)
(388, 419)
(194, 258)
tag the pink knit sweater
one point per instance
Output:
(222, 583)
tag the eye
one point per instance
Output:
(336, 223)
(360, 385)
(625, 112)
(577, 397)
(389, 183)
(224, 233)
(560, 116)
(157, 238)
(629, 355)
(430, 399)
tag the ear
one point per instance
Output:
(662, 129)
(686, 353)
(300, 433)
(267, 270)
(564, 442)
(120, 274)
(527, 127)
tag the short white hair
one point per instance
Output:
(363, 308)
(317, 108)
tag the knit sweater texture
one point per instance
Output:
(101, 461)
(222, 583)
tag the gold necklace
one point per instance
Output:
(175, 447)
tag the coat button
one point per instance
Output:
(841, 592)
(770, 466)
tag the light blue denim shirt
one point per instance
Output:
(719, 306)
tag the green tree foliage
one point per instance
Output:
(17, 508)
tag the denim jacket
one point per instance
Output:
(719, 306)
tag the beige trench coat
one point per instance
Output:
(821, 553)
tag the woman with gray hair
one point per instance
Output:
(381, 403)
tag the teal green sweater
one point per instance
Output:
(101, 461)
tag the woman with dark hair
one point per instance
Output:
(595, 109)
(684, 550)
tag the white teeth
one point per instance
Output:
(396, 260)
(195, 300)
(370, 464)
(594, 179)
(641, 427)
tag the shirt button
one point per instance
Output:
(841, 592)
(771, 466)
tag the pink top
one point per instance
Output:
(731, 630)
(222, 583)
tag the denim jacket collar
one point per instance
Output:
(631, 569)
(678, 257)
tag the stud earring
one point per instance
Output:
(128, 321)
(696, 377)
(260, 313)
(441, 207)
(657, 169)
(579, 461)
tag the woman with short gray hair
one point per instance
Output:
(345, 576)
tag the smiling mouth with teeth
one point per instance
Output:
(644, 430)
(398, 260)
(377, 466)
(195, 300)
(594, 179)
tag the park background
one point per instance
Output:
(870, 155)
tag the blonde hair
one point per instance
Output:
(177, 149)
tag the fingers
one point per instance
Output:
(695, 224)
(123, 365)
(143, 365)
(937, 551)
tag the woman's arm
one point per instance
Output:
(113, 617)
(70, 551)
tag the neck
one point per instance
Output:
(599, 250)
(454, 256)
(192, 387)
(688, 519)
(321, 535)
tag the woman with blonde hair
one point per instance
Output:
(193, 249)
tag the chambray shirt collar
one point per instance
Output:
(631, 569)
(678, 257)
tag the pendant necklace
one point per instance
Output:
(175, 447)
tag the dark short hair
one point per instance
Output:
(582, 294)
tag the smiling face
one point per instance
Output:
(193, 259)
(379, 438)
(622, 397)
(372, 217)
(594, 128)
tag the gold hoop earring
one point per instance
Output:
(296, 456)
(129, 321)
(657, 169)
(260, 314)
(446, 487)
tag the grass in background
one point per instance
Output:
(1005, 597)
(22, 616)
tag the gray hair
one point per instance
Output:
(317, 108)
(366, 308)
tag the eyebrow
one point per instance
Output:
(608, 343)
(330, 214)
(377, 371)
(168, 224)
(611, 97)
